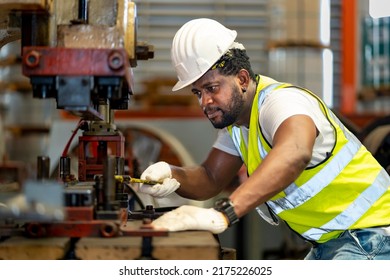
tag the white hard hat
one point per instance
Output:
(196, 47)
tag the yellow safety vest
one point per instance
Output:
(348, 190)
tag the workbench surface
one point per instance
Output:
(188, 245)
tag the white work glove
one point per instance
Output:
(189, 217)
(160, 171)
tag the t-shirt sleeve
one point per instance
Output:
(225, 143)
(282, 104)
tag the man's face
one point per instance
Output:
(219, 97)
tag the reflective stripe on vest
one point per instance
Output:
(350, 215)
(296, 196)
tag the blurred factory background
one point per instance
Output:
(332, 47)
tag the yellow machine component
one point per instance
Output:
(128, 179)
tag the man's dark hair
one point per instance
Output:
(232, 62)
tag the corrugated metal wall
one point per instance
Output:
(158, 21)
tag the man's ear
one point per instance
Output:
(244, 78)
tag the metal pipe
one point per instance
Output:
(35, 29)
(83, 11)
(109, 181)
(64, 168)
(120, 166)
(43, 168)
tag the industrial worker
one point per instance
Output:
(303, 164)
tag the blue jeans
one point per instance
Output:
(359, 244)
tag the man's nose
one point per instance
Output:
(205, 99)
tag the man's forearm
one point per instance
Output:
(196, 183)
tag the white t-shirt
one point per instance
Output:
(277, 107)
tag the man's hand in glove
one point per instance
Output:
(188, 217)
(160, 172)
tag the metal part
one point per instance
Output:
(65, 168)
(43, 168)
(93, 228)
(89, 75)
(109, 184)
(147, 245)
(148, 213)
(83, 12)
(97, 209)
(39, 201)
(35, 28)
(79, 196)
(92, 164)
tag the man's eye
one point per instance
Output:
(212, 89)
(197, 93)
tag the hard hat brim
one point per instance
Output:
(182, 84)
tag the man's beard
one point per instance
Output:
(231, 114)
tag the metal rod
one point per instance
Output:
(43, 166)
(109, 181)
(64, 168)
(83, 11)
